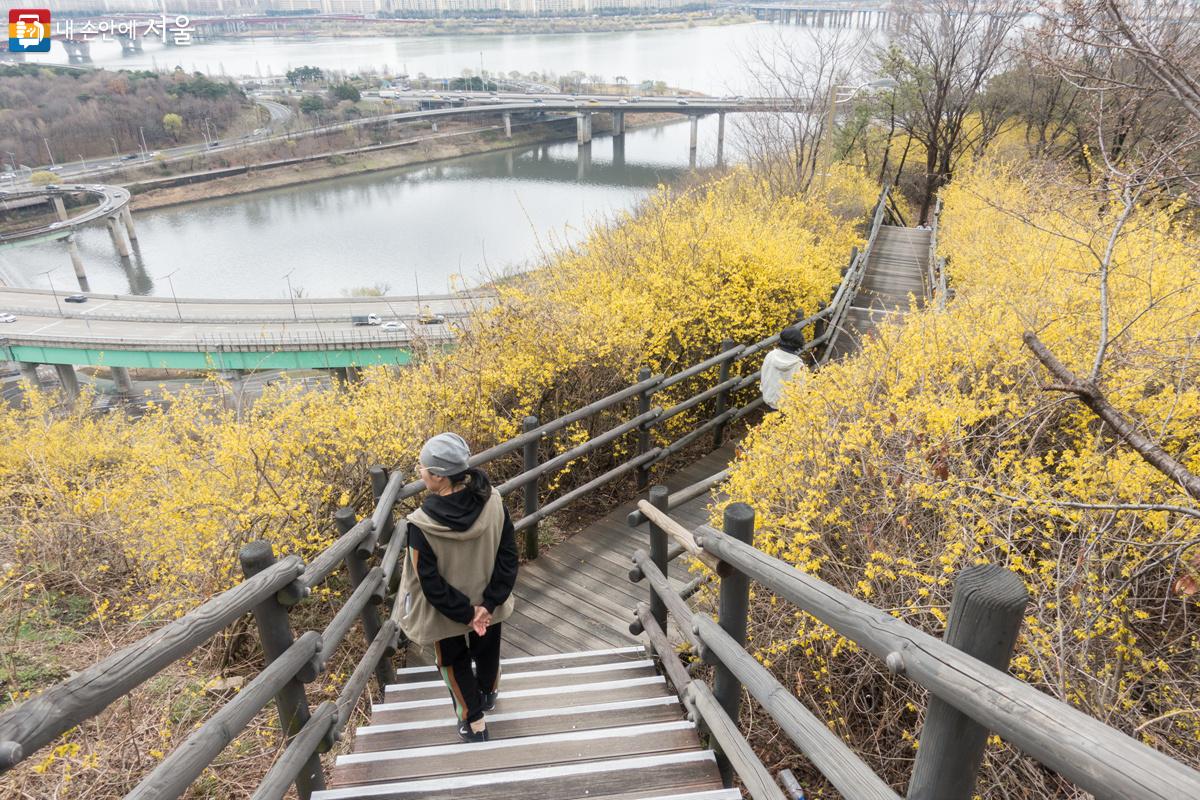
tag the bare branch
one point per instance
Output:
(1091, 396)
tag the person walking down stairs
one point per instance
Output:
(459, 573)
(782, 365)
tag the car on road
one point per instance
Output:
(623, 102)
(366, 319)
(593, 102)
(75, 298)
(429, 318)
(538, 100)
(635, 99)
(393, 325)
(681, 102)
(7, 318)
(129, 157)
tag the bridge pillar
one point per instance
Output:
(618, 123)
(29, 373)
(127, 218)
(346, 375)
(508, 126)
(618, 158)
(720, 136)
(69, 380)
(583, 127)
(121, 380)
(695, 121)
(77, 262)
(583, 162)
(78, 50)
(119, 241)
(236, 378)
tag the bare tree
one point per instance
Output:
(943, 57)
(787, 147)
(1135, 66)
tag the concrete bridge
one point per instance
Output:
(232, 336)
(830, 15)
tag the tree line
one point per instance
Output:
(71, 114)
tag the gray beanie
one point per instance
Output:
(445, 454)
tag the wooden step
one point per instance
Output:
(639, 777)
(526, 751)
(510, 666)
(539, 678)
(531, 699)
(579, 716)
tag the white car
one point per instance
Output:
(7, 318)
(393, 325)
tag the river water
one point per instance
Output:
(426, 228)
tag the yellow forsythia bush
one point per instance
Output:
(940, 447)
(149, 514)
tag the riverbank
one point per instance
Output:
(522, 25)
(455, 140)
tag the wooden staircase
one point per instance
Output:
(897, 271)
(598, 724)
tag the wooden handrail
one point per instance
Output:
(41, 719)
(1084, 750)
(176, 772)
(824, 748)
(755, 777)
(681, 535)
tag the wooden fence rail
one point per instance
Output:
(970, 692)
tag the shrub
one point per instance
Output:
(938, 447)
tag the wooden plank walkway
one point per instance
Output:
(897, 269)
(577, 595)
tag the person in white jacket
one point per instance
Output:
(781, 365)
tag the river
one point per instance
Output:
(453, 224)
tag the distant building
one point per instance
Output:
(423, 8)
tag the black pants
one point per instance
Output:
(470, 666)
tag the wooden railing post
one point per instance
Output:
(723, 397)
(379, 479)
(658, 554)
(275, 633)
(357, 569)
(985, 617)
(733, 611)
(819, 325)
(530, 462)
(643, 473)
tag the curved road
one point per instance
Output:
(110, 200)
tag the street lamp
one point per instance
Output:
(52, 291)
(171, 283)
(145, 150)
(116, 150)
(291, 295)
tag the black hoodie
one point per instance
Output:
(459, 511)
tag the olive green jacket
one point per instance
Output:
(465, 559)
